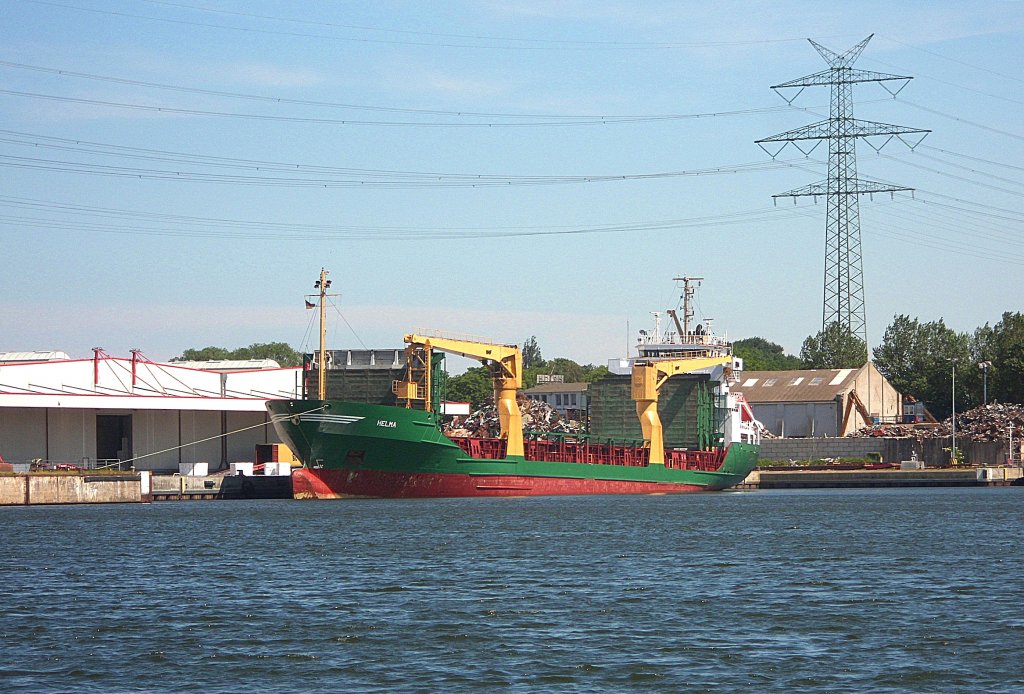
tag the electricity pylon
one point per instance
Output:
(844, 271)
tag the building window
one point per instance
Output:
(769, 382)
(816, 381)
(796, 381)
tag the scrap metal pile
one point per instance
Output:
(537, 417)
(983, 423)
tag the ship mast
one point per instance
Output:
(322, 284)
(687, 297)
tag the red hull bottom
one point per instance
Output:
(339, 484)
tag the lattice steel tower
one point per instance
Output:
(844, 272)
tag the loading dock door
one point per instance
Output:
(113, 437)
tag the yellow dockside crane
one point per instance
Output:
(649, 375)
(505, 362)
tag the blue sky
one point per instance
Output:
(137, 216)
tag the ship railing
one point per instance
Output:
(677, 339)
(708, 461)
(491, 449)
(563, 448)
(709, 353)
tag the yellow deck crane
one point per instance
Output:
(505, 363)
(649, 375)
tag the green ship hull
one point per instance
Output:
(351, 449)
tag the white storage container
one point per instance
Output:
(277, 469)
(241, 469)
(194, 469)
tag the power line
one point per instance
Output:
(85, 168)
(960, 228)
(519, 44)
(928, 241)
(478, 37)
(385, 109)
(995, 211)
(559, 121)
(242, 229)
(971, 158)
(954, 60)
(955, 165)
(946, 174)
(964, 120)
(257, 172)
(954, 84)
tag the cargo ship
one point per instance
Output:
(367, 449)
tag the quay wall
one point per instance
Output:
(20, 490)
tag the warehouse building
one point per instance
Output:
(820, 402)
(107, 410)
(568, 399)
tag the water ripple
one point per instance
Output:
(804, 591)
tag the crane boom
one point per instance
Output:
(505, 362)
(647, 379)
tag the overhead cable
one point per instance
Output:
(516, 44)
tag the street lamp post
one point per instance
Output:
(954, 413)
(984, 366)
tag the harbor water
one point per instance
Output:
(806, 590)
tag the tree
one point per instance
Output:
(1007, 350)
(474, 386)
(531, 353)
(593, 373)
(918, 359)
(835, 347)
(899, 357)
(759, 354)
(203, 354)
(567, 368)
(278, 351)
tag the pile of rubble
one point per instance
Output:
(983, 423)
(537, 416)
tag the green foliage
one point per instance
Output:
(278, 351)
(835, 347)
(759, 354)
(474, 386)
(918, 359)
(531, 353)
(1006, 350)
(593, 373)
(572, 371)
(204, 354)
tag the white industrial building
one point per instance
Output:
(820, 402)
(96, 411)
